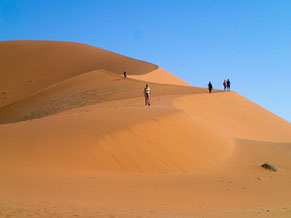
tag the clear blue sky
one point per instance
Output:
(247, 41)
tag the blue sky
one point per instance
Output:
(247, 41)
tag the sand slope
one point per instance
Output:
(78, 141)
(30, 66)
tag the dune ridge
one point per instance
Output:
(34, 65)
(77, 140)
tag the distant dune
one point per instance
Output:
(77, 140)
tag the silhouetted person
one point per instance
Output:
(210, 87)
(228, 85)
(124, 74)
(224, 84)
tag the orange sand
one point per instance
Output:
(77, 141)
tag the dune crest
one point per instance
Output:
(160, 76)
(30, 66)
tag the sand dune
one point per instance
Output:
(236, 116)
(30, 66)
(77, 140)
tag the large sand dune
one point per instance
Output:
(77, 140)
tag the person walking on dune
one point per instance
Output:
(147, 95)
(125, 74)
(210, 87)
(224, 84)
(228, 85)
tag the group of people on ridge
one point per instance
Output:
(146, 91)
(226, 85)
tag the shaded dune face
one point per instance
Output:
(92, 119)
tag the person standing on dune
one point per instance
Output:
(224, 84)
(210, 87)
(147, 95)
(124, 74)
(228, 85)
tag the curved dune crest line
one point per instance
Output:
(160, 76)
(88, 88)
(120, 136)
(30, 66)
(163, 140)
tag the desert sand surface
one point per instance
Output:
(76, 140)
